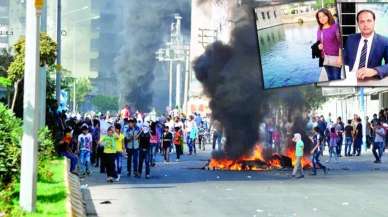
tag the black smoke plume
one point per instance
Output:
(230, 77)
(145, 29)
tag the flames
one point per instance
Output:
(257, 162)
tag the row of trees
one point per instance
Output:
(12, 73)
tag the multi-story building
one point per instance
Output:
(77, 34)
(106, 45)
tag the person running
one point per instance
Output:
(348, 138)
(378, 145)
(316, 152)
(119, 138)
(132, 148)
(167, 140)
(299, 155)
(178, 142)
(64, 149)
(145, 151)
(109, 144)
(333, 144)
(84, 146)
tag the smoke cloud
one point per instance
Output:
(141, 34)
(230, 77)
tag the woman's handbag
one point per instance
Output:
(329, 60)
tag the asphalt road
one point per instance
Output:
(354, 187)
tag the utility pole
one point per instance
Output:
(31, 102)
(176, 52)
(59, 47)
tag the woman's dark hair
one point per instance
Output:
(96, 122)
(332, 130)
(325, 11)
(110, 129)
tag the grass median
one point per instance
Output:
(51, 194)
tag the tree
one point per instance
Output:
(82, 89)
(105, 103)
(5, 60)
(16, 69)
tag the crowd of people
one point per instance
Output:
(105, 141)
(339, 138)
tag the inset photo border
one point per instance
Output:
(375, 71)
(290, 48)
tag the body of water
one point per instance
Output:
(286, 55)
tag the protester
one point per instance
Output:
(95, 159)
(339, 128)
(154, 141)
(192, 132)
(378, 145)
(357, 138)
(217, 134)
(84, 146)
(145, 151)
(109, 144)
(201, 136)
(132, 137)
(316, 152)
(348, 138)
(119, 138)
(299, 155)
(333, 144)
(125, 113)
(167, 140)
(64, 149)
(178, 142)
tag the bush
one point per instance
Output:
(10, 137)
(46, 154)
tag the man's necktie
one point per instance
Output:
(363, 55)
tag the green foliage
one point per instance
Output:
(47, 56)
(105, 103)
(82, 88)
(5, 82)
(51, 195)
(46, 153)
(5, 60)
(312, 96)
(10, 134)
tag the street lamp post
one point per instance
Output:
(59, 47)
(31, 101)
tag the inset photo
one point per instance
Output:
(299, 43)
(365, 49)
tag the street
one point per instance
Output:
(355, 186)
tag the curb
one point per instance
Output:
(75, 204)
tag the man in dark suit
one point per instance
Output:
(364, 52)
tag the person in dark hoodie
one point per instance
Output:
(144, 151)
